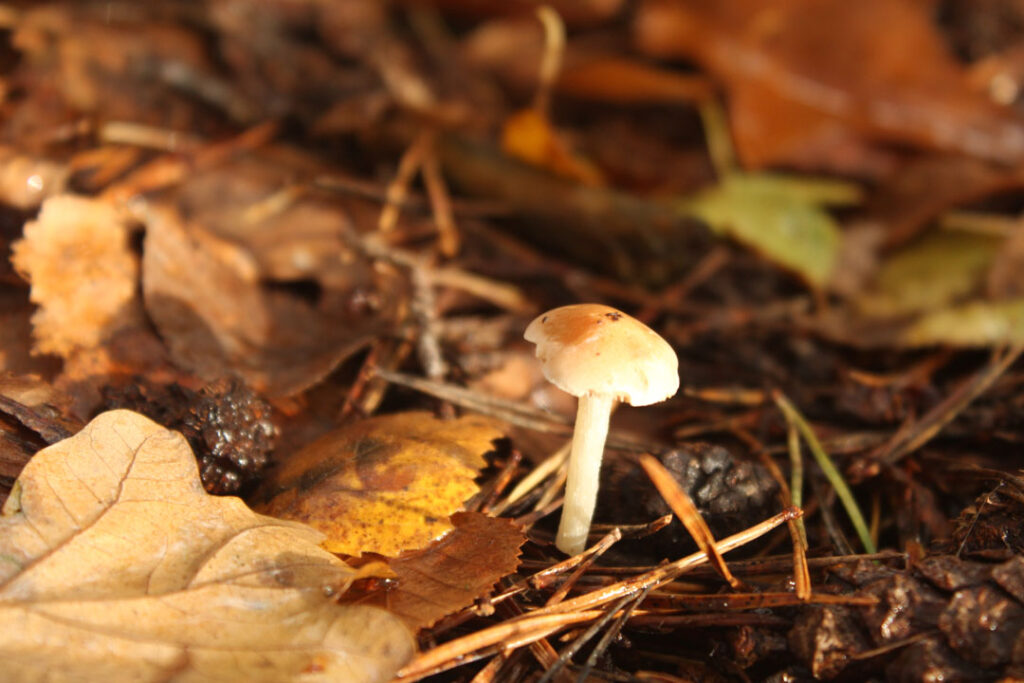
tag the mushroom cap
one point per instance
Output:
(595, 349)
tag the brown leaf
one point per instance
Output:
(83, 273)
(385, 484)
(223, 304)
(15, 451)
(117, 564)
(455, 571)
(811, 73)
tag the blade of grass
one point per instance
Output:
(793, 417)
(717, 137)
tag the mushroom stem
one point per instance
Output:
(592, 416)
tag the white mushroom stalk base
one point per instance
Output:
(592, 416)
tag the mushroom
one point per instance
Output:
(600, 355)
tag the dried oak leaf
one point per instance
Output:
(806, 76)
(84, 275)
(452, 573)
(382, 485)
(117, 565)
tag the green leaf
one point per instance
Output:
(779, 217)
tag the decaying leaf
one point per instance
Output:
(385, 484)
(31, 415)
(933, 291)
(116, 564)
(83, 273)
(455, 571)
(778, 217)
(1004, 278)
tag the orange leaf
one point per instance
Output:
(528, 136)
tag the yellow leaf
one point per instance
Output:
(116, 565)
(385, 484)
(978, 323)
(779, 217)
